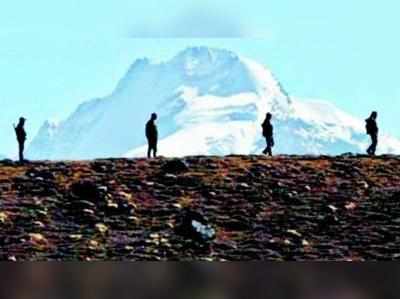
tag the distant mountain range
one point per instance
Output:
(210, 102)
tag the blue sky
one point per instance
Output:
(56, 54)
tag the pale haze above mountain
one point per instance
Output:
(209, 102)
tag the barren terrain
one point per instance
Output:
(281, 208)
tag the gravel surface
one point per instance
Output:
(281, 208)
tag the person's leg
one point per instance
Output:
(152, 149)
(374, 144)
(21, 151)
(270, 147)
(149, 151)
(265, 151)
(369, 150)
(155, 150)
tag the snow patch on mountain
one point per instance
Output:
(319, 111)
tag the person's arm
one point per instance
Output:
(263, 125)
(375, 127)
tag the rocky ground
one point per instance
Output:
(281, 208)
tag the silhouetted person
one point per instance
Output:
(372, 130)
(152, 136)
(268, 133)
(21, 137)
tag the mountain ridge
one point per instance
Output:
(213, 94)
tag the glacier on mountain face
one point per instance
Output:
(210, 102)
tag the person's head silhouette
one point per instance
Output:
(22, 121)
(154, 116)
(269, 116)
(374, 115)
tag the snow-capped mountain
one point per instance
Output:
(209, 102)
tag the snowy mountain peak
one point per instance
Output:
(200, 62)
(205, 55)
(210, 102)
(140, 63)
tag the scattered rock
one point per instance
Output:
(351, 206)
(175, 166)
(38, 241)
(86, 190)
(195, 226)
(101, 228)
(75, 237)
(3, 217)
(332, 208)
(294, 233)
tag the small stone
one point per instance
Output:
(134, 219)
(287, 242)
(175, 166)
(294, 233)
(38, 240)
(194, 226)
(155, 236)
(93, 245)
(37, 237)
(164, 240)
(351, 206)
(125, 195)
(39, 224)
(12, 258)
(85, 190)
(42, 213)
(76, 237)
(103, 189)
(364, 185)
(88, 212)
(3, 217)
(244, 185)
(333, 208)
(112, 204)
(101, 228)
